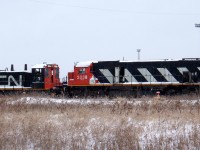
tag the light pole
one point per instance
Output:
(197, 25)
(138, 50)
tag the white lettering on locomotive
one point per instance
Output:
(82, 77)
(12, 79)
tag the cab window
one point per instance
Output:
(82, 71)
(46, 73)
(38, 70)
(57, 73)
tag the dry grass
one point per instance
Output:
(169, 123)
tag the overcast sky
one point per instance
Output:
(68, 31)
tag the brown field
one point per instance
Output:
(145, 123)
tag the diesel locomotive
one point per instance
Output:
(42, 77)
(109, 78)
(133, 78)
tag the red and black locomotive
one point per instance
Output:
(133, 78)
(110, 78)
(42, 77)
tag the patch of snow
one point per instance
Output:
(39, 66)
(85, 64)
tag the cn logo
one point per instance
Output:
(11, 79)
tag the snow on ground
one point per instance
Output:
(38, 100)
(156, 131)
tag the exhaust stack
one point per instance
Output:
(12, 67)
(25, 67)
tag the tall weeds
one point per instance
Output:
(133, 124)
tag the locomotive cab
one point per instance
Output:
(45, 76)
(82, 75)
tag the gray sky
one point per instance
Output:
(68, 31)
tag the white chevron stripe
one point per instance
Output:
(147, 75)
(107, 74)
(198, 68)
(182, 69)
(168, 76)
(129, 77)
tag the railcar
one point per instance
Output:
(42, 77)
(133, 78)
